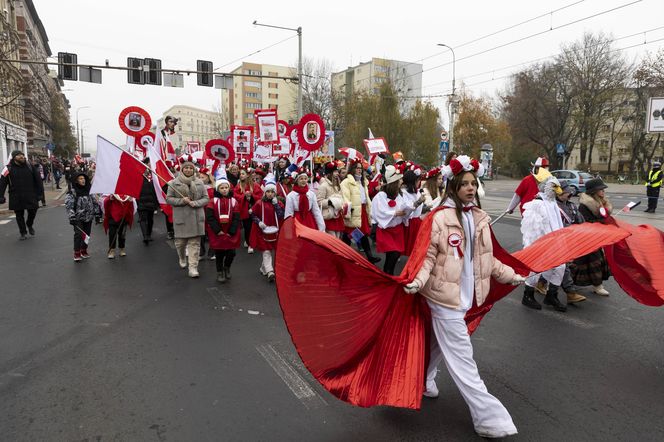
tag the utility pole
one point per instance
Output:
(78, 132)
(452, 98)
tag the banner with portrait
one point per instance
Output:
(267, 124)
(242, 138)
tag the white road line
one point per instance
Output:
(296, 383)
(4, 221)
(562, 317)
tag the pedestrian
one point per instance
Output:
(331, 201)
(69, 173)
(147, 203)
(57, 173)
(222, 216)
(653, 185)
(390, 212)
(301, 203)
(247, 193)
(432, 189)
(355, 191)
(268, 215)
(233, 174)
(414, 199)
(26, 189)
(188, 196)
(528, 187)
(82, 208)
(456, 274)
(118, 215)
(593, 269)
(570, 215)
(540, 217)
(284, 186)
(206, 176)
(281, 168)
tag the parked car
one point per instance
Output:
(576, 178)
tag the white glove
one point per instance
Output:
(262, 225)
(411, 288)
(518, 279)
(275, 200)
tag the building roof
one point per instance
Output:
(39, 24)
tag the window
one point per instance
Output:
(255, 84)
(252, 95)
(252, 105)
(273, 85)
(274, 74)
(273, 106)
(252, 72)
(603, 159)
(275, 96)
(249, 115)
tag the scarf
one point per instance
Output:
(190, 182)
(303, 203)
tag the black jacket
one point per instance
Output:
(26, 187)
(148, 200)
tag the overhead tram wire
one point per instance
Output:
(543, 58)
(625, 5)
(256, 52)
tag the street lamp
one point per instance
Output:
(299, 62)
(78, 133)
(83, 127)
(453, 96)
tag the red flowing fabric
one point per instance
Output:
(358, 333)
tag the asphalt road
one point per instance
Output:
(132, 349)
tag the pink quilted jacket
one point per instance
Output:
(440, 274)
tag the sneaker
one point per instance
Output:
(84, 254)
(111, 254)
(250, 251)
(183, 263)
(270, 277)
(573, 297)
(490, 433)
(212, 257)
(193, 273)
(77, 256)
(170, 235)
(122, 252)
(600, 290)
(245, 245)
(431, 389)
(31, 230)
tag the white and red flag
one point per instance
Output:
(117, 171)
(85, 237)
(164, 146)
(5, 165)
(161, 175)
(351, 153)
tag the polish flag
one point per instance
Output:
(5, 168)
(117, 171)
(160, 173)
(351, 153)
(85, 237)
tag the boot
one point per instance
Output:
(551, 298)
(227, 272)
(221, 277)
(367, 250)
(541, 286)
(529, 298)
(600, 290)
(573, 297)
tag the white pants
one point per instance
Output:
(188, 250)
(452, 343)
(266, 265)
(554, 276)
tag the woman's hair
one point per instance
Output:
(450, 156)
(452, 190)
(392, 189)
(431, 184)
(410, 181)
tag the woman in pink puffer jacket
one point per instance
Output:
(457, 271)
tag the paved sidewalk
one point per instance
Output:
(54, 197)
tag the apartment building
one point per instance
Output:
(194, 124)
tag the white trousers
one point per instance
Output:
(188, 250)
(554, 276)
(266, 265)
(452, 344)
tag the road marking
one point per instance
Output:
(562, 317)
(296, 383)
(4, 221)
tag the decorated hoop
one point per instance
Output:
(144, 142)
(282, 128)
(134, 121)
(311, 132)
(220, 150)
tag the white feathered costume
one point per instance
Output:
(542, 216)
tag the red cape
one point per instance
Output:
(360, 335)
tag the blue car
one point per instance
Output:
(576, 178)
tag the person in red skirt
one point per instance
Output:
(267, 214)
(356, 195)
(222, 225)
(118, 214)
(247, 193)
(331, 201)
(414, 198)
(390, 212)
(301, 203)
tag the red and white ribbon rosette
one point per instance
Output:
(455, 240)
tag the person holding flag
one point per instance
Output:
(82, 208)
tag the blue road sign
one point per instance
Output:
(560, 148)
(444, 146)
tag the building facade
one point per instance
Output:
(194, 125)
(367, 77)
(13, 135)
(251, 93)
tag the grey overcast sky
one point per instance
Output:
(344, 32)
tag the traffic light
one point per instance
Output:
(153, 73)
(67, 72)
(135, 72)
(206, 78)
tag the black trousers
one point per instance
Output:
(169, 226)
(246, 225)
(22, 223)
(653, 195)
(86, 227)
(224, 258)
(116, 233)
(146, 220)
(391, 259)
